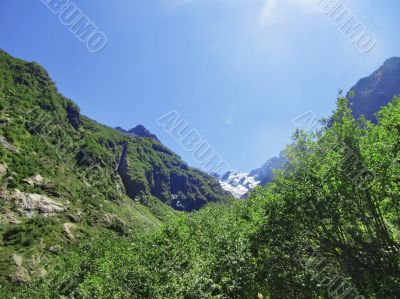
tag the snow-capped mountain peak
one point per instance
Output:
(238, 183)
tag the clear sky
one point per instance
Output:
(239, 71)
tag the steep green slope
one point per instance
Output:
(328, 226)
(65, 177)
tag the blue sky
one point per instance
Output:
(239, 71)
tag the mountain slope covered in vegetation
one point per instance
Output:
(327, 226)
(65, 177)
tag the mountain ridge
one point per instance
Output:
(139, 131)
(370, 93)
(65, 177)
(366, 98)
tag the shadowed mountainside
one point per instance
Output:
(371, 93)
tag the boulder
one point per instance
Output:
(3, 170)
(55, 249)
(28, 182)
(75, 218)
(68, 228)
(36, 181)
(7, 145)
(31, 203)
(21, 275)
(17, 259)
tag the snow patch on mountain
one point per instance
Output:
(238, 183)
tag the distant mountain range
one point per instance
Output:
(239, 184)
(365, 98)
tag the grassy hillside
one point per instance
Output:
(65, 177)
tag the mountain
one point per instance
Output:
(64, 177)
(366, 98)
(139, 131)
(265, 173)
(35, 114)
(238, 183)
(375, 91)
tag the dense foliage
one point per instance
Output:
(327, 226)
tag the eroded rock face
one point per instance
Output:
(31, 203)
(73, 115)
